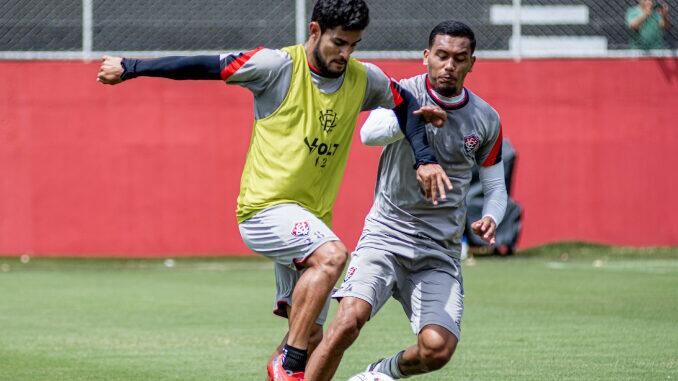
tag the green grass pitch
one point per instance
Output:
(561, 312)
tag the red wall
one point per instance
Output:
(151, 167)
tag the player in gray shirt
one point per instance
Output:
(410, 246)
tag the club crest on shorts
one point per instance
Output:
(350, 272)
(471, 143)
(301, 229)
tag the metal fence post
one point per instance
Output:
(300, 21)
(517, 32)
(87, 29)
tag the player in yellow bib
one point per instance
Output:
(306, 102)
(299, 152)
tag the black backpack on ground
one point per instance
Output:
(509, 229)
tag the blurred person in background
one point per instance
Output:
(648, 21)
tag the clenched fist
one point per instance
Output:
(110, 71)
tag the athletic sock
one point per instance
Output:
(389, 366)
(294, 358)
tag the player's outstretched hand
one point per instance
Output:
(433, 114)
(110, 71)
(486, 229)
(433, 181)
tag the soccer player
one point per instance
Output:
(409, 248)
(306, 102)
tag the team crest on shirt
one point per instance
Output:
(328, 120)
(301, 229)
(471, 143)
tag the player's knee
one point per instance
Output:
(347, 325)
(332, 257)
(435, 360)
(436, 350)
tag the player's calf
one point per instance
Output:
(352, 315)
(315, 338)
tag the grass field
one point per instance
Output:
(562, 312)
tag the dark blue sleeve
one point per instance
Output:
(414, 127)
(195, 67)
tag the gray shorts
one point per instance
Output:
(431, 291)
(287, 234)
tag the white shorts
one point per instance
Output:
(431, 291)
(287, 234)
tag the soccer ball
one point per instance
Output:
(370, 376)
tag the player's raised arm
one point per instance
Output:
(114, 70)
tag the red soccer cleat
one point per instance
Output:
(269, 368)
(280, 374)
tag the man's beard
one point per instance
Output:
(446, 91)
(323, 68)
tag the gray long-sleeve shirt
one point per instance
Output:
(401, 218)
(267, 73)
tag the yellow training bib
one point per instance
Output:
(298, 154)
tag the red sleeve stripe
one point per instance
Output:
(495, 154)
(237, 63)
(395, 89)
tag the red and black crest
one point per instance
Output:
(301, 229)
(349, 273)
(471, 143)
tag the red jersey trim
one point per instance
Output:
(237, 63)
(442, 103)
(495, 154)
(395, 89)
(397, 98)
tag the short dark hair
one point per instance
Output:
(454, 29)
(349, 14)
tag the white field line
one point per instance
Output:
(647, 267)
